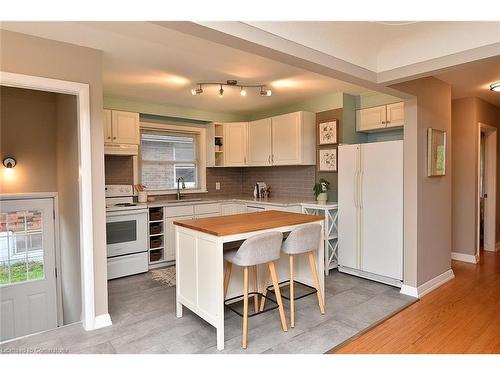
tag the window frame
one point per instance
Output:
(200, 154)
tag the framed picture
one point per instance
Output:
(436, 152)
(327, 160)
(328, 133)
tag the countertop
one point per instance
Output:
(249, 222)
(281, 202)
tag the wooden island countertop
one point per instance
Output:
(249, 222)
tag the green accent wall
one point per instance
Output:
(316, 104)
(167, 110)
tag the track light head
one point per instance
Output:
(265, 92)
(243, 92)
(221, 91)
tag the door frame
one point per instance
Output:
(81, 91)
(491, 183)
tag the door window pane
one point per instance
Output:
(21, 246)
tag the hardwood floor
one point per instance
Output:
(463, 316)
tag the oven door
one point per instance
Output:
(126, 232)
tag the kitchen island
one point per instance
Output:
(199, 247)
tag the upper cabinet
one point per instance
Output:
(259, 143)
(121, 127)
(380, 118)
(288, 139)
(235, 144)
(294, 139)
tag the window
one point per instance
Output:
(167, 156)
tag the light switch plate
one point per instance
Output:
(217, 186)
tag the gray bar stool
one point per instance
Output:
(302, 240)
(258, 249)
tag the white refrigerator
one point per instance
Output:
(370, 205)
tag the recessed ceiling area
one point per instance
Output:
(474, 79)
(383, 46)
(145, 61)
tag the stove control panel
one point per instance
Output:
(119, 190)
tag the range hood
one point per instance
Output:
(121, 149)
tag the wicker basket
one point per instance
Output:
(155, 215)
(155, 255)
(155, 229)
(155, 242)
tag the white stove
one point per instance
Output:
(126, 232)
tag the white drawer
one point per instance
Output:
(127, 265)
(201, 209)
(178, 211)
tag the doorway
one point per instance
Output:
(486, 188)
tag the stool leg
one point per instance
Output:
(272, 269)
(227, 277)
(312, 263)
(264, 288)
(255, 289)
(292, 302)
(245, 308)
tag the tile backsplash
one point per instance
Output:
(285, 182)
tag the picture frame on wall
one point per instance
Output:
(328, 132)
(327, 160)
(436, 152)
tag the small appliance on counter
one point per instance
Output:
(126, 232)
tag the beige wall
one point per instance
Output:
(28, 125)
(69, 212)
(47, 58)
(466, 114)
(433, 195)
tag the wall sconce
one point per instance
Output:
(9, 162)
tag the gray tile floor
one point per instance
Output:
(144, 321)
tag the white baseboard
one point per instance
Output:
(100, 321)
(464, 257)
(428, 286)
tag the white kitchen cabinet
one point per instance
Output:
(233, 208)
(235, 144)
(294, 139)
(169, 254)
(259, 145)
(121, 127)
(371, 118)
(108, 132)
(380, 118)
(395, 115)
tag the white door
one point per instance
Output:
(395, 114)
(108, 131)
(348, 201)
(371, 118)
(235, 144)
(125, 127)
(381, 203)
(27, 267)
(259, 142)
(170, 242)
(286, 139)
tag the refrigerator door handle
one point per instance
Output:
(360, 189)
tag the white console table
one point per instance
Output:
(330, 212)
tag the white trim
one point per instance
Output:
(81, 91)
(428, 286)
(101, 321)
(469, 258)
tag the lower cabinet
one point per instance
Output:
(233, 208)
(170, 243)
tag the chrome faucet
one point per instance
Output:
(179, 180)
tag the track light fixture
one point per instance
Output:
(233, 83)
(495, 87)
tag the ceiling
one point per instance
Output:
(474, 79)
(383, 46)
(156, 64)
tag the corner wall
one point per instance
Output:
(433, 194)
(467, 113)
(40, 57)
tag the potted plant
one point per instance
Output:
(320, 190)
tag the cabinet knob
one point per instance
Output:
(383, 122)
(114, 137)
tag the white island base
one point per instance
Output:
(200, 263)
